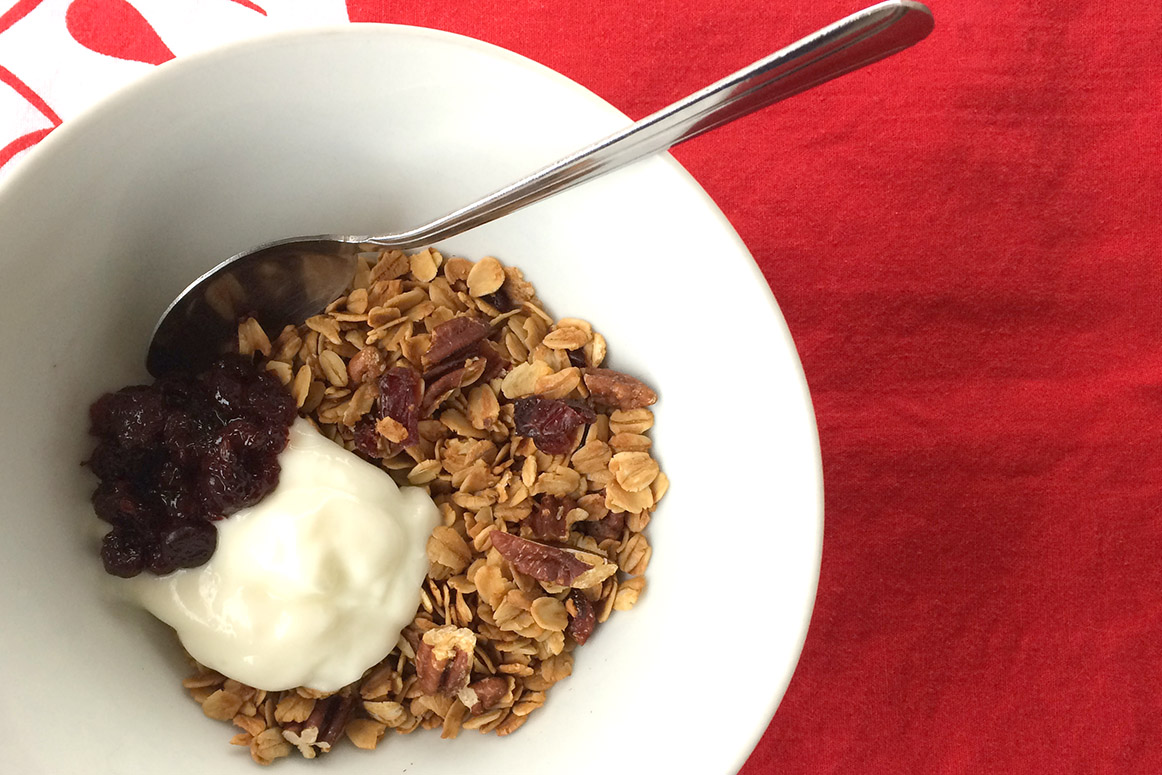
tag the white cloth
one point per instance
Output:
(58, 57)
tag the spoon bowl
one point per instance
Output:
(280, 284)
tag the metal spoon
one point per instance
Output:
(284, 282)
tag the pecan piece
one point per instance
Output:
(496, 365)
(400, 394)
(340, 708)
(453, 337)
(540, 561)
(582, 617)
(366, 365)
(488, 692)
(439, 391)
(617, 390)
(444, 660)
(550, 422)
(547, 520)
(414, 637)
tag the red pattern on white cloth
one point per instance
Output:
(57, 57)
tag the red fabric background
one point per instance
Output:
(964, 241)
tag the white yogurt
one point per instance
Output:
(311, 586)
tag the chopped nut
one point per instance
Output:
(548, 518)
(485, 694)
(618, 390)
(542, 562)
(444, 660)
(455, 337)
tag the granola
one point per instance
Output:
(451, 375)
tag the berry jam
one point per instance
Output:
(174, 456)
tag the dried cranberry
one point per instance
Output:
(229, 481)
(110, 461)
(122, 553)
(133, 416)
(400, 395)
(268, 402)
(577, 358)
(242, 436)
(551, 423)
(609, 526)
(499, 300)
(183, 451)
(115, 503)
(183, 544)
(547, 520)
(181, 437)
(226, 387)
(368, 441)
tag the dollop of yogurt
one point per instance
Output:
(312, 585)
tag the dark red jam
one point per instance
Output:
(174, 456)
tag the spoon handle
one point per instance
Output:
(850, 43)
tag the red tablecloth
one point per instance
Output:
(964, 242)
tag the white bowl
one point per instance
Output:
(368, 129)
